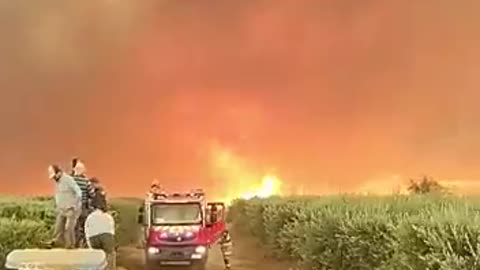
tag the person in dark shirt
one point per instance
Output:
(99, 193)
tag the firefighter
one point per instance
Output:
(156, 190)
(226, 248)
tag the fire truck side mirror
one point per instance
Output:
(141, 216)
(141, 219)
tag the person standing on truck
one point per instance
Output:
(226, 248)
(100, 231)
(68, 200)
(156, 189)
(87, 194)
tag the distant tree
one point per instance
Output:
(425, 185)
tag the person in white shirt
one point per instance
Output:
(100, 231)
(68, 202)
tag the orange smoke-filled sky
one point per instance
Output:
(326, 94)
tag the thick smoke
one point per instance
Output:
(328, 93)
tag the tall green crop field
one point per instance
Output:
(366, 233)
(26, 222)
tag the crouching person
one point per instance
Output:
(100, 231)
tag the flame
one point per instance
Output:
(239, 178)
(270, 186)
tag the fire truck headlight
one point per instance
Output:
(153, 250)
(189, 234)
(201, 249)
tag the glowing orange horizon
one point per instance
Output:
(335, 96)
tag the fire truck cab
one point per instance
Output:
(180, 228)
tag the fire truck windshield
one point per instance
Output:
(176, 213)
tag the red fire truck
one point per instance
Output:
(180, 228)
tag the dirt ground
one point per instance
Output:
(248, 255)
